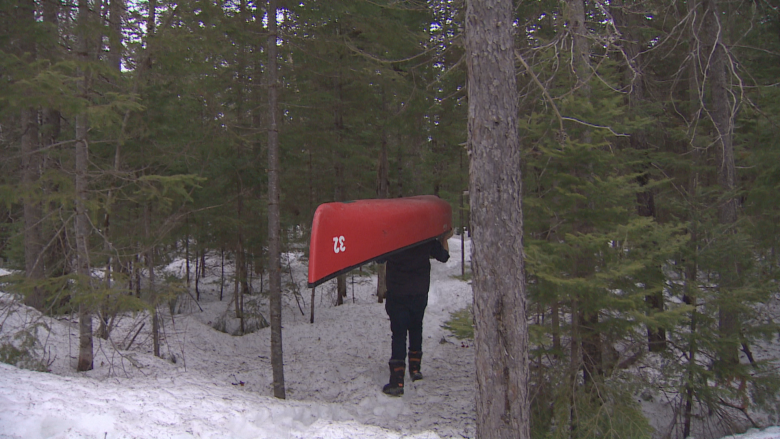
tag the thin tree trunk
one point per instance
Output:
(311, 313)
(341, 289)
(591, 349)
(555, 322)
(149, 257)
(86, 354)
(187, 253)
(116, 10)
(590, 336)
(691, 267)
(691, 288)
(461, 221)
(501, 336)
(197, 277)
(274, 232)
(33, 245)
(311, 182)
(236, 305)
(575, 363)
(241, 283)
(240, 270)
(723, 122)
(105, 306)
(690, 298)
(382, 191)
(400, 168)
(634, 82)
(137, 274)
(339, 191)
(151, 24)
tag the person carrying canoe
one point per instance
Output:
(408, 279)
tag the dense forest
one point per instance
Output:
(135, 131)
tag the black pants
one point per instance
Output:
(406, 315)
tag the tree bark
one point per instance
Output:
(274, 232)
(501, 336)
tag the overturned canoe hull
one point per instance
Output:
(347, 235)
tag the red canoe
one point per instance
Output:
(347, 235)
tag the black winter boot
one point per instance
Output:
(415, 357)
(396, 385)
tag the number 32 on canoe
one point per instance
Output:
(338, 244)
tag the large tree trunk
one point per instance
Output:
(501, 336)
(274, 232)
(81, 219)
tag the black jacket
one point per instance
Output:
(409, 271)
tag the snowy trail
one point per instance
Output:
(220, 385)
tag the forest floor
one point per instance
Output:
(212, 384)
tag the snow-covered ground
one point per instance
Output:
(210, 384)
(221, 385)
